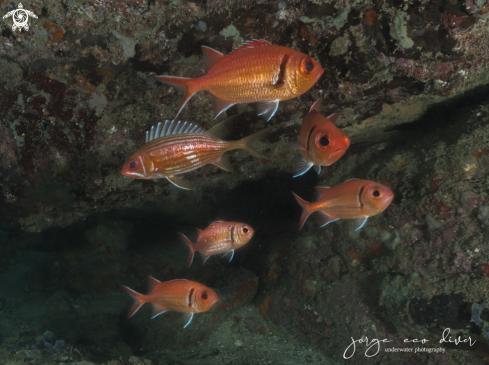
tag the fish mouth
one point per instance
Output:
(132, 174)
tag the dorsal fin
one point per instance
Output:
(172, 127)
(211, 56)
(152, 283)
(251, 44)
(222, 129)
(322, 192)
(316, 106)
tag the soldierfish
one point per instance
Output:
(175, 295)
(321, 143)
(352, 199)
(219, 237)
(257, 71)
(179, 147)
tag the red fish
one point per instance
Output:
(321, 143)
(175, 295)
(219, 237)
(179, 147)
(352, 199)
(255, 72)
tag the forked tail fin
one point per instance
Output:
(245, 143)
(306, 210)
(139, 300)
(192, 249)
(183, 84)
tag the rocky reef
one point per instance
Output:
(408, 80)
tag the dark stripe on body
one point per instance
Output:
(309, 138)
(360, 196)
(190, 297)
(281, 74)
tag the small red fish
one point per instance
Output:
(321, 143)
(219, 237)
(255, 72)
(354, 198)
(175, 295)
(175, 148)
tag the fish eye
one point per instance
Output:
(133, 165)
(245, 230)
(324, 141)
(204, 296)
(309, 66)
(376, 193)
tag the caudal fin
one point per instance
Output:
(183, 84)
(192, 249)
(306, 210)
(139, 300)
(245, 143)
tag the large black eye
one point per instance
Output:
(324, 141)
(376, 193)
(309, 66)
(245, 230)
(204, 296)
(133, 165)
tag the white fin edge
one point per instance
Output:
(172, 127)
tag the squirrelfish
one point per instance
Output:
(219, 237)
(175, 148)
(257, 71)
(353, 199)
(321, 143)
(175, 295)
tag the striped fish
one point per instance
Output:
(174, 148)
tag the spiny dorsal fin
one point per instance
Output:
(169, 127)
(251, 44)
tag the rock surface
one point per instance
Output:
(408, 80)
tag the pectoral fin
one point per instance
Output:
(229, 253)
(268, 108)
(360, 222)
(302, 166)
(191, 316)
(179, 182)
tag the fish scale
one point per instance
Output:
(220, 237)
(256, 72)
(173, 149)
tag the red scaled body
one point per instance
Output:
(255, 72)
(321, 143)
(352, 199)
(176, 295)
(219, 237)
(176, 149)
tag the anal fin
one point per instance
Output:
(157, 311)
(220, 106)
(179, 182)
(224, 164)
(326, 219)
